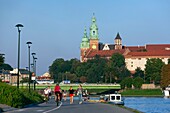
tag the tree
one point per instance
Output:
(2, 59)
(59, 66)
(95, 70)
(25, 80)
(165, 76)
(83, 79)
(6, 67)
(126, 83)
(118, 66)
(137, 82)
(169, 61)
(138, 73)
(153, 70)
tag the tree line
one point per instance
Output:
(113, 70)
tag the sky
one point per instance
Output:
(56, 27)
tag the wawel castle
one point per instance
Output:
(135, 56)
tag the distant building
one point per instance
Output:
(44, 79)
(44, 76)
(135, 56)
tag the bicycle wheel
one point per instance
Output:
(57, 101)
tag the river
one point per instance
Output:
(148, 104)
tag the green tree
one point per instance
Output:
(95, 71)
(118, 66)
(83, 79)
(138, 73)
(2, 59)
(59, 66)
(137, 82)
(169, 61)
(25, 80)
(153, 70)
(126, 83)
(165, 76)
(6, 67)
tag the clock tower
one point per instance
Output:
(94, 38)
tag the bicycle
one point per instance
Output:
(57, 98)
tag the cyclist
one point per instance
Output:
(57, 93)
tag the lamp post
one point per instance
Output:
(19, 31)
(29, 63)
(34, 66)
(35, 71)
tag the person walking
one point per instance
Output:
(46, 95)
(71, 92)
(49, 90)
(80, 93)
(64, 95)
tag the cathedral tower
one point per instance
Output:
(94, 39)
(84, 46)
(118, 42)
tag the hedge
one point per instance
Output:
(14, 97)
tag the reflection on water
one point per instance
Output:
(148, 104)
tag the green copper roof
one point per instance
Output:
(93, 29)
(85, 40)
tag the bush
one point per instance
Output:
(137, 82)
(126, 83)
(15, 97)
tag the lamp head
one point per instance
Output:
(19, 25)
(29, 43)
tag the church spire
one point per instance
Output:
(93, 29)
(85, 40)
(118, 41)
(118, 36)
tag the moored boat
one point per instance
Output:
(114, 99)
(167, 92)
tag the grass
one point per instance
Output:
(142, 92)
(91, 87)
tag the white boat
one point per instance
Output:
(167, 92)
(114, 99)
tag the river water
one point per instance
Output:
(148, 104)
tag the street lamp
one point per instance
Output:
(29, 63)
(19, 31)
(34, 66)
(35, 70)
(33, 56)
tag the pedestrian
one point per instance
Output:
(46, 94)
(64, 95)
(49, 90)
(71, 92)
(80, 93)
(57, 92)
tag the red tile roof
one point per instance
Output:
(151, 47)
(150, 53)
(151, 50)
(105, 53)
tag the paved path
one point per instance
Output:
(66, 107)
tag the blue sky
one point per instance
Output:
(55, 27)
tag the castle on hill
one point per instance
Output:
(135, 56)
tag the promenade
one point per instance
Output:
(66, 107)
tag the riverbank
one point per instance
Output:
(143, 92)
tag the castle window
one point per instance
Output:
(139, 58)
(131, 65)
(93, 32)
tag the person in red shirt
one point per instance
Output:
(57, 92)
(71, 91)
